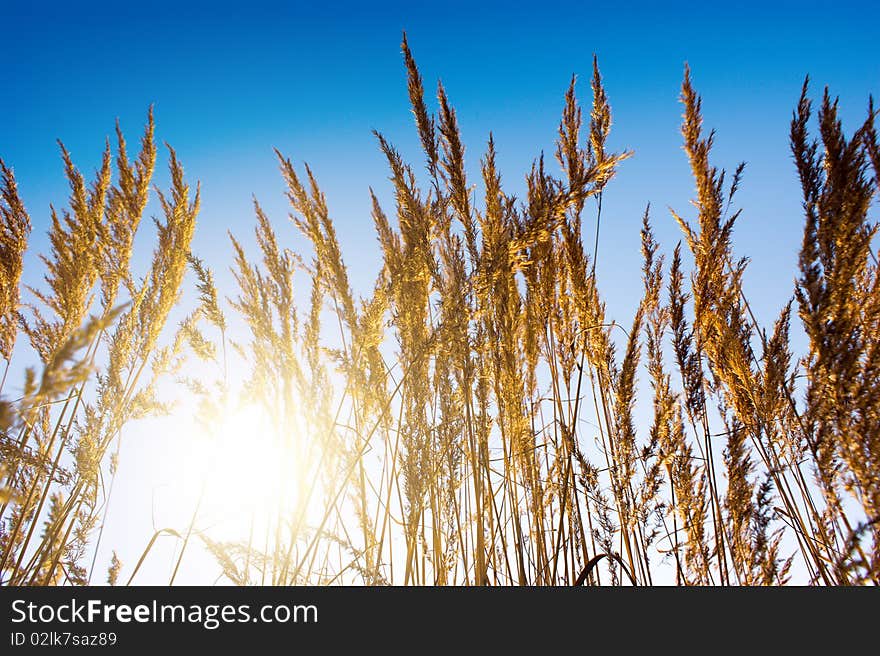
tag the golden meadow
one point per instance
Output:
(475, 420)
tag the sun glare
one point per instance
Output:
(243, 470)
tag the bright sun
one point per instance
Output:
(240, 472)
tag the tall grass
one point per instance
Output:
(60, 432)
(474, 419)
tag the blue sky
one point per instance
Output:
(231, 81)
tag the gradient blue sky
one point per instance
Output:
(231, 81)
